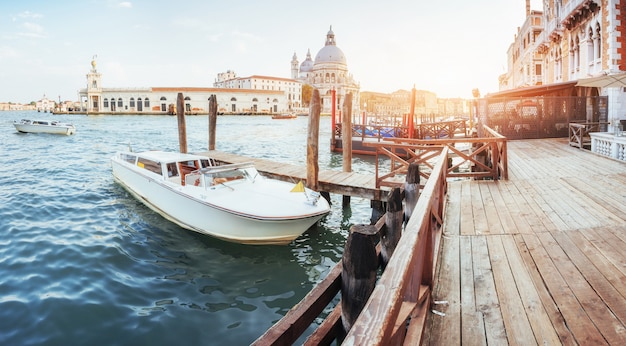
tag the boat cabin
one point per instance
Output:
(190, 170)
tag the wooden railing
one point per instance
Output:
(397, 309)
(400, 297)
(486, 156)
(442, 129)
(579, 133)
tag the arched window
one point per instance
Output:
(132, 102)
(106, 103)
(163, 98)
(187, 98)
(119, 102)
(94, 84)
(255, 100)
(232, 99)
(332, 78)
(146, 102)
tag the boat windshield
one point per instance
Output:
(221, 174)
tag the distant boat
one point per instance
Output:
(231, 202)
(284, 116)
(44, 126)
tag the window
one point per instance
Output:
(106, 103)
(132, 102)
(149, 165)
(146, 103)
(172, 170)
(119, 102)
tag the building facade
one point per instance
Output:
(268, 97)
(290, 87)
(328, 71)
(575, 45)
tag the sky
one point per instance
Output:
(447, 47)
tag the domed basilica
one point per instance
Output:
(328, 71)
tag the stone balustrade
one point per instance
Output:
(607, 144)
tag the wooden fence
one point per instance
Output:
(486, 156)
(579, 133)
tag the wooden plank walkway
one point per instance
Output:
(538, 259)
(343, 183)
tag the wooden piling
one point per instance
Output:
(411, 190)
(182, 128)
(391, 233)
(378, 210)
(358, 276)
(312, 148)
(346, 133)
(346, 139)
(212, 120)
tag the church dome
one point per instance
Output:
(307, 64)
(330, 53)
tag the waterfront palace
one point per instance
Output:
(249, 95)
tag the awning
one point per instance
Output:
(617, 80)
(537, 90)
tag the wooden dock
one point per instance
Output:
(537, 259)
(338, 182)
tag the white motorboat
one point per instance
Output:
(44, 126)
(231, 202)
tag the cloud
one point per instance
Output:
(119, 4)
(32, 30)
(28, 15)
(8, 52)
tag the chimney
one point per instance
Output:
(527, 8)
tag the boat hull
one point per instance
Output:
(198, 213)
(52, 129)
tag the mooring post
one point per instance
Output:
(411, 190)
(312, 148)
(358, 275)
(212, 120)
(391, 233)
(346, 139)
(378, 210)
(182, 128)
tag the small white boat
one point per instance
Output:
(44, 126)
(231, 202)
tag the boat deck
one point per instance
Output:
(537, 259)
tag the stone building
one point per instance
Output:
(272, 95)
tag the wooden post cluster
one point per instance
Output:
(360, 259)
(182, 128)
